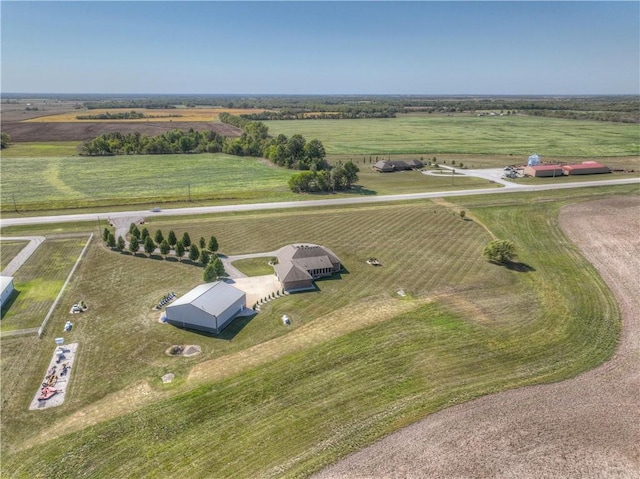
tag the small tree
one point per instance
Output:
(171, 238)
(111, 241)
(120, 244)
(213, 244)
(186, 240)
(194, 253)
(149, 245)
(159, 237)
(205, 257)
(219, 267)
(202, 243)
(135, 232)
(462, 214)
(209, 274)
(179, 250)
(131, 228)
(165, 248)
(144, 234)
(134, 245)
(499, 251)
(105, 234)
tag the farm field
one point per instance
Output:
(76, 182)
(164, 115)
(464, 329)
(71, 182)
(39, 281)
(436, 134)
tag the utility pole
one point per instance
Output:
(453, 172)
(189, 191)
(14, 202)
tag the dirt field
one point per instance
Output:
(587, 427)
(80, 131)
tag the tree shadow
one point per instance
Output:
(156, 257)
(519, 267)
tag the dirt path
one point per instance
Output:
(587, 427)
(15, 264)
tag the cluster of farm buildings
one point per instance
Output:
(213, 306)
(536, 169)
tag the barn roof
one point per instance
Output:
(5, 281)
(212, 298)
(587, 165)
(545, 167)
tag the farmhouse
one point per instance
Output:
(208, 307)
(585, 168)
(543, 170)
(6, 283)
(299, 265)
(387, 166)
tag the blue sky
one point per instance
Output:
(321, 47)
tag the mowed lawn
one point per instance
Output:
(438, 134)
(38, 282)
(9, 250)
(467, 328)
(48, 182)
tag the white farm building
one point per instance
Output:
(6, 283)
(208, 307)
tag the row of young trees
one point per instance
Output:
(122, 115)
(206, 254)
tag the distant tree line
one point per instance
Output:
(620, 107)
(126, 115)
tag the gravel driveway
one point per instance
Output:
(586, 427)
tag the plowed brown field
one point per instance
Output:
(587, 427)
(80, 131)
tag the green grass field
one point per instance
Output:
(42, 150)
(466, 328)
(254, 266)
(74, 182)
(39, 281)
(424, 134)
(9, 250)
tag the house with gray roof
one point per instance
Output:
(208, 307)
(300, 264)
(387, 166)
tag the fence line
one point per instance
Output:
(55, 303)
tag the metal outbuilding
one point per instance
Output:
(543, 170)
(6, 283)
(208, 307)
(585, 168)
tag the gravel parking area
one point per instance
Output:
(586, 427)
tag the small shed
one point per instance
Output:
(208, 307)
(6, 283)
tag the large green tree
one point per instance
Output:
(213, 244)
(499, 251)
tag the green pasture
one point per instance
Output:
(486, 329)
(254, 266)
(424, 134)
(75, 182)
(9, 250)
(42, 149)
(39, 281)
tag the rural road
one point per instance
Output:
(4, 222)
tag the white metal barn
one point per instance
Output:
(6, 283)
(209, 307)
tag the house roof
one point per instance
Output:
(383, 165)
(212, 298)
(296, 260)
(288, 272)
(5, 281)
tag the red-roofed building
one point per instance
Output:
(543, 170)
(585, 168)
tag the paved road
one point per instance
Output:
(306, 204)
